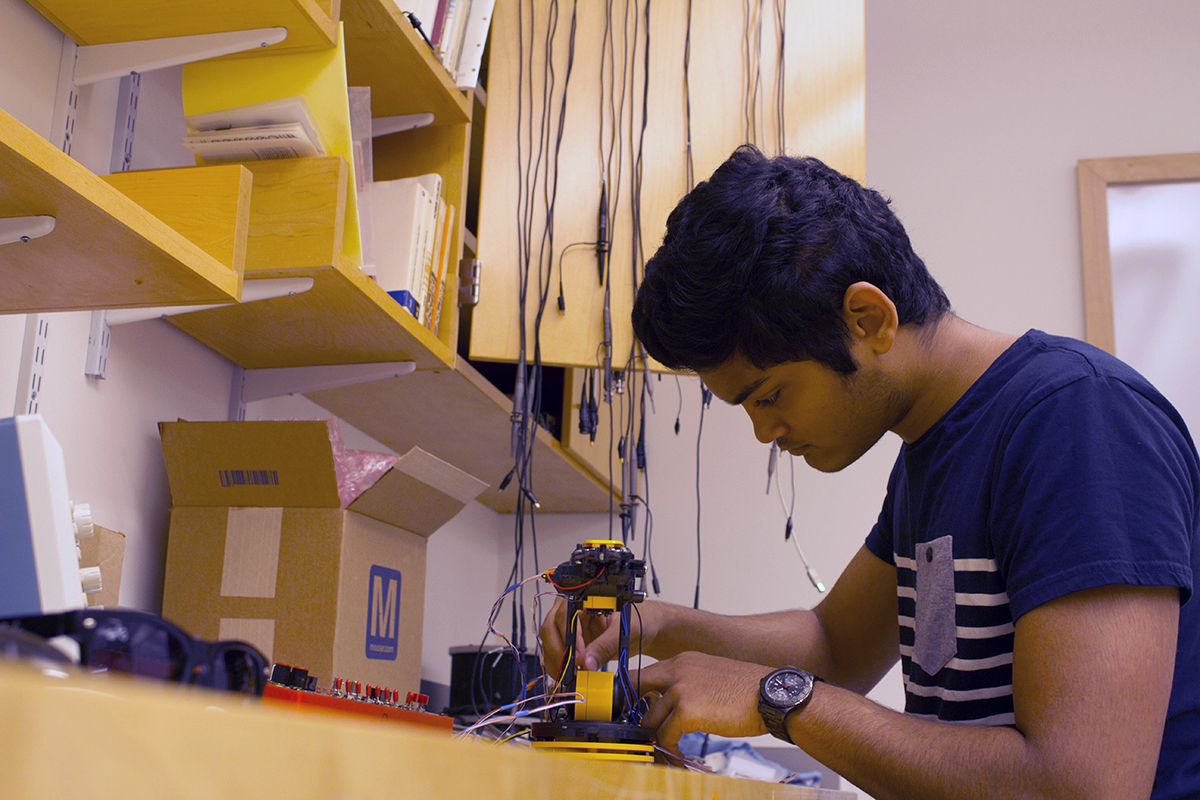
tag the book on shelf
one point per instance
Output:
(274, 129)
(402, 212)
(431, 265)
(432, 182)
(444, 254)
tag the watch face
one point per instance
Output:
(787, 688)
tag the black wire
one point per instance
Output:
(747, 68)
(689, 167)
(699, 433)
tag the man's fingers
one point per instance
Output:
(551, 633)
(656, 710)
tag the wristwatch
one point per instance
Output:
(783, 691)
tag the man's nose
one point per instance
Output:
(767, 427)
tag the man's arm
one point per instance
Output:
(1091, 682)
(850, 638)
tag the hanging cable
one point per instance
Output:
(705, 399)
(688, 165)
(780, 78)
(789, 511)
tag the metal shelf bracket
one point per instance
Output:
(97, 62)
(262, 384)
(24, 229)
(102, 321)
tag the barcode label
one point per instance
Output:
(248, 477)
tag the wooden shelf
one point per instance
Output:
(344, 319)
(385, 52)
(461, 418)
(311, 24)
(297, 211)
(105, 251)
(296, 230)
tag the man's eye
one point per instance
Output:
(767, 401)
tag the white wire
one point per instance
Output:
(812, 573)
(490, 720)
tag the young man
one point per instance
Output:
(1033, 561)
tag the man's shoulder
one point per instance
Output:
(1041, 363)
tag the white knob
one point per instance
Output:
(91, 580)
(81, 513)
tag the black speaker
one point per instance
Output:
(482, 680)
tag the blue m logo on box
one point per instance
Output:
(383, 613)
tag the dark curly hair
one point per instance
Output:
(757, 259)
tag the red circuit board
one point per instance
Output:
(342, 705)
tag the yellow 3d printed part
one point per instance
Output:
(597, 691)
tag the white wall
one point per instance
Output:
(977, 114)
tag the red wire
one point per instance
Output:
(580, 586)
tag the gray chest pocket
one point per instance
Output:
(935, 625)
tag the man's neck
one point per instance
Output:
(941, 365)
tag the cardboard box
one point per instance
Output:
(104, 549)
(261, 550)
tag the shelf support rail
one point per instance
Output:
(100, 334)
(262, 384)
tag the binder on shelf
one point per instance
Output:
(319, 77)
(442, 21)
(470, 53)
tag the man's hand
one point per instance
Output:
(701, 693)
(597, 636)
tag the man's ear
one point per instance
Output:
(870, 316)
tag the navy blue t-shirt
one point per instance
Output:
(1060, 469)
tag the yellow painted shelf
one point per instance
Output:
(311, 24)
(383, 50)
(105, 251)
(461, 418)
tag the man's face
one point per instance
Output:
(809, 409)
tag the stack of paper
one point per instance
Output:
(275, 129)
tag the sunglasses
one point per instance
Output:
(137, 643)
